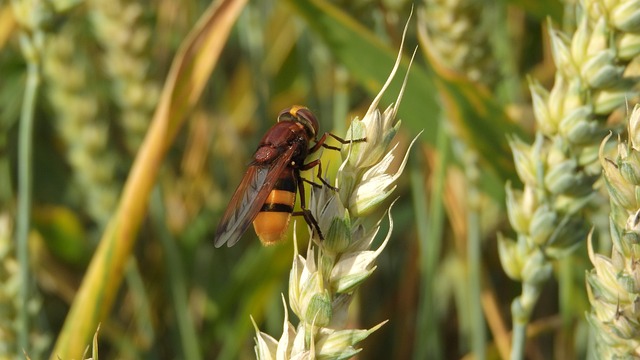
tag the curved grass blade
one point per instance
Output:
(189, 72)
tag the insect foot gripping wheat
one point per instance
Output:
(561, 167)
(614, 283)
(321, 286)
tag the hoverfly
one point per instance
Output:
(267, 192)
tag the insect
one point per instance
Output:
(267, 192)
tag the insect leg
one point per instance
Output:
(343, 141)
(306, 213)
(317, 163)
(321, 142)
(311, 182)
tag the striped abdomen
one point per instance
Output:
(273, 219)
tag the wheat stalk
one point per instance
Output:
(614, 284)
(560, 168)
(457, 36)
(120, 29)
(321, 286)
(460, 43)
(32, 16)
(85, 133)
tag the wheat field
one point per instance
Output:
(491, 210)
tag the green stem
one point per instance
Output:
(518, 340)
(6, 191)
(568, 294)
(427, 342)
(141, 302)
(521, 309)
(177, 281)
(474, 253)
(25, 180)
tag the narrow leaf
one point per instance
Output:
(189, 72)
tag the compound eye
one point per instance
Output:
(287, 114)
(306, 117)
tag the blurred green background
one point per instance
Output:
(103, 68)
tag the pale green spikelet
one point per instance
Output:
(10, 302)
(84, 131)
(561, 167)
(614, 283)
(457, 36)
(120, 30)
(321, 286)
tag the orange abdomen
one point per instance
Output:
(273, 219)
